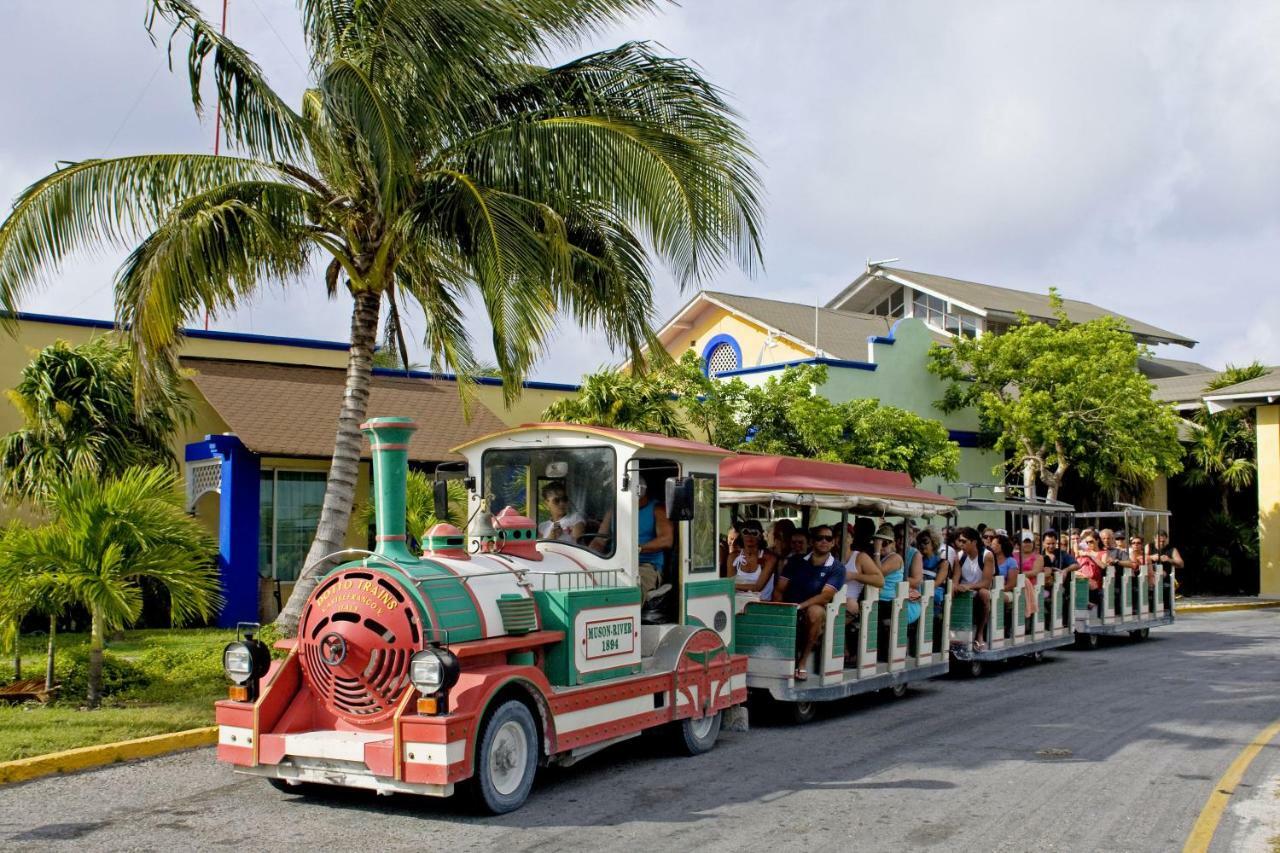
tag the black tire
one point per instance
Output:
(975, 669)
(802, 712)
(284, 787)
(698, 736)
(1036, 657)
(898, 690)
(1087, 641)
(1144, 633)
(506, 759)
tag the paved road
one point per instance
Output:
(1115, 749)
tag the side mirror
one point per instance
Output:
(680, 498)
(440, 499)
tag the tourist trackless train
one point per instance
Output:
(571, 612)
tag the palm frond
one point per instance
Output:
(254, 116)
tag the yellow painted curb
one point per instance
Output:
(1207, 823)
(108, 753)
(1225, 608)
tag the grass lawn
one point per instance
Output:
(184, 671)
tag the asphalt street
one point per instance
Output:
(1115, 749)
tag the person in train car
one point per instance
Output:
(934, 565)
(1113, 554)
(894, 567)
(861, 571)
(1164, 553)
(1006, 563)
(1138, 556)
(810, 581)
(1055, 559)
(655, 535)
(912, 562)
(977, 566)
(753, 568)
(798, 545)
(563, 525)
(1091, 564)
(780, 539)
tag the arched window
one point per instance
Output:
(721, 354)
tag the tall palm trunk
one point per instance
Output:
(48, 662)
(96, 632)
(17, 650)
(339, 495)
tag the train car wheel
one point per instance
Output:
(506, 759)
(975, 669)
(1037, 657)
(898, 690)
(1087, 641)
(296, 788)
(1140, 634)
(803, 712)
(699, 736)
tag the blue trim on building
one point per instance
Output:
(238, 506)
(492, 381)
(710, 348)
(889, 339)
(963, 437)
(235, 337)
(829, 362)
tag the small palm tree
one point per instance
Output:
(432, 160)
(103, 538)
(23, 592)
(420, 505)
(1223, 445)
(611, 398)
(80, 415)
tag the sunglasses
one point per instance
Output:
(988, 536)
(750, 531)
(824, 537)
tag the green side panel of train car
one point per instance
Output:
(1082, 594)
(904, 628)
(560, 609)
(962, 610)
(766, 631)
(837, 641)
(873, 635)
(926, 613)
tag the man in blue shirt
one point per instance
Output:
(810, 582)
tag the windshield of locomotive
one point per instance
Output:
(570, 492)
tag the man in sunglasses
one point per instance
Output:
(810, 581)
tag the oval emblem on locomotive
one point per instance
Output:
(333, 649)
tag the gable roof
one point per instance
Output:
(1184, 392)
(841, 334)
(291, 410)
(1163, 368)
(1263, 388)
(1002, 303)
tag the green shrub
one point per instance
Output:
(118, 675)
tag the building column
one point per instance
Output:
(1269, 501)
(237, 486)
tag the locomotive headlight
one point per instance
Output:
(245, 660)
(433, 670)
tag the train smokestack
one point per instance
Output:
(389, 439)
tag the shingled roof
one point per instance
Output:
(1004, 303)
(290, 410)
(841, 334)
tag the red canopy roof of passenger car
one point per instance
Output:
(750, 472)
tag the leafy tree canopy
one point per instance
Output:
(785, 415)
(1223, 445)
(1061, 396)
(80, 416)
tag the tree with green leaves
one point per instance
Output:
(1061, 396)
(102, 538)
(784, 415)
(433, 160)
(1223, 445)
(420, 505)
(80, 415)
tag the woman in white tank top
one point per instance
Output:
(753, 568)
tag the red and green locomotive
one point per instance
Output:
(503, 647)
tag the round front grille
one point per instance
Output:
(357, 634)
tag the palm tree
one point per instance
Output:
(23, 592)
(433, 159)
(80, 415)
(103, 538)
(1222, 446)
(611, 398)
(420, 506)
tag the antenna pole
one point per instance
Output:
(817, 351)
(217, 128)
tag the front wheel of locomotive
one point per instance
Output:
(506, 759)
(699, 736)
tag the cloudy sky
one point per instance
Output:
(1127, 153)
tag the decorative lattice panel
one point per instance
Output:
(203, 477)
(722, 358)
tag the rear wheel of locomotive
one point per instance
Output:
(506, 759)
(698, 736)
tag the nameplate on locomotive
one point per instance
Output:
(350, 593)
(608, 637)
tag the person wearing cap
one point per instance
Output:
(810, 582)
(753, 566)
(894, 568)
(1031, 566)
